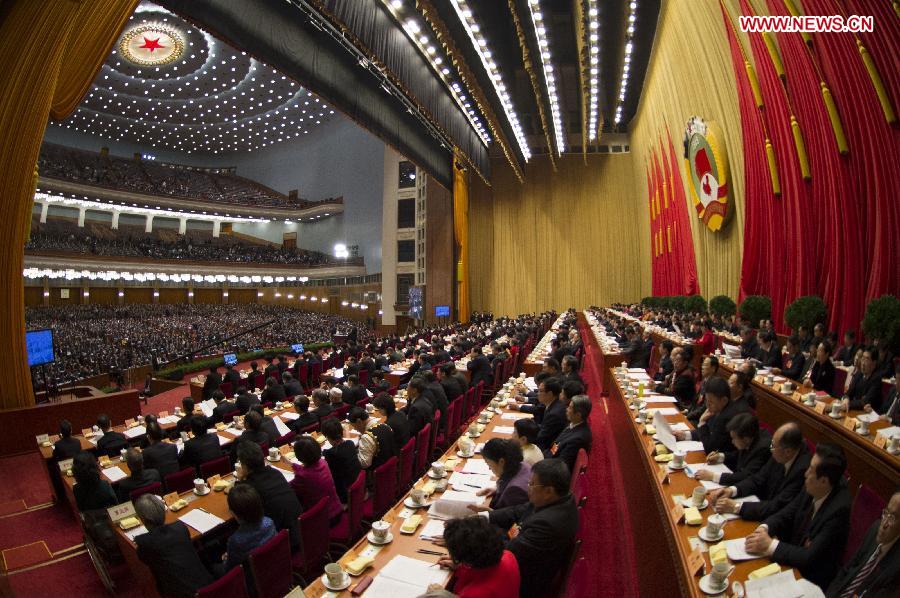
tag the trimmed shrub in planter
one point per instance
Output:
(756, 308)
(805, 311)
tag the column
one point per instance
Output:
(120, 294)
(182, 226)
(46, 294)
(81, 212)
(44, 208)
(115, 220)
(149, 227)
(225, 293)
(217, 226)
(190, 294)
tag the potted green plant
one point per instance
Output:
(722, 305)
(756, 308)
(695, 304)
(882, 321)
(805, 311)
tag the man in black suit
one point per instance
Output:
(570, 369)
(322, 403)
(847, 352)
(168, 552)
(749, 346)
(796, 360)
(223, 407)
(396, 420)
(713, 429)
(66, 447)
(202, 447)
(874, 571)
(212, 383)
(545, 528)
(245, 400)
(159, 455)
(811, 532)
(750, 455)
(480, 367)
(448, 382)
(342, 458)
(865, 387)
(301, 406)
(435, 394)
(187, 407)
(282, 364)
(776, 484)
(139, 477)
(665, 361)
(251, 433)
(554, 419)
(233, 376)
(576, 436)
(274, 391)
(419, 410)
(280, 503)
(271, 368)
(266, 424)
(111, 443)
(892, 405)
(292, 387)
(768, 353)
(353, 393)
(251, 376)
(682, 383)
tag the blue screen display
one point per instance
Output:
(230, 359)
(40, 347)
(442, 311)
(298, 348)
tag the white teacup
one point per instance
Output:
(770, 380)
(895, 442)
(440, 485)
(718, 577)
(417, 495)
(714, 524)
(438, 469)
(370, 407)
(788, 386)
(863, 427)
(122, 453)
(380, 529)
(273, 453)
(200, 485)
(335, 574)
(466, 446)
(836, 408)
(473, 430)
(678, 459)
(698, 496)
(811, 398)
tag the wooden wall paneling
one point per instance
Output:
(169, 295)
(208, 296)
(440, 266)
(138, 295)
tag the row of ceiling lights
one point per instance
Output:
(115, 275)
(593, 69)
(626, 69)
(429, 49)
(473, 29)
(537, 19)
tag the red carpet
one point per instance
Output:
(607, 536)
(54, 525)
(25, 556)
(12, 506)
(165, 401)
(25, 479)
(73, 576)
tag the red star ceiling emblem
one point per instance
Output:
(152, 44)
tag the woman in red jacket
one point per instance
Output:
(481, 566)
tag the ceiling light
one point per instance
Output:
(549, 77)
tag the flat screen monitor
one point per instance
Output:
(297, 348)
(40, 347)
(442, 311)
(230, 359)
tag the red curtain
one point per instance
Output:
(827, 236)
(674, 262)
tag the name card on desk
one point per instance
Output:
(129, 423)
(121, 511)
(820, 407)
(65, 465)
(170, 498)
(42, 438)
(850, 423)
(163, 414)
(881, 441)
(677, 513)
(662, 475)
(211, 480)
(651, 447)
(696, 562)
(86, 432)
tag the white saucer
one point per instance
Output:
(343, 586)
(675, 468)
(208, 490)
(892, 452)
(464, 456)
(687, 503)
(436, 477)
(841, 416)
(703, 535)
(473, 435)
(706, 587)
(275, 460)
(866, 434)
(371, 538)
(408, 501)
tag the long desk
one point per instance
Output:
(534, 362)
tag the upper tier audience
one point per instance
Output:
(143, 176)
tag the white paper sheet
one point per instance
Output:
(664, 431)
(470, 482)
(530, 384)
(504, 430)
(233, 431)
(710, 485)
(222, 440)
(515, 416)
(135, 432)
(281, 426)
(740, 501)
(656, 400)
(135, 532)
(737, 552)
(433, 530)
(200, 520)
(206, 409)
(476, 466)
(453, 504)
(680, 427)
(719, 468)
(287, 473)
(415, 572)
(890, 432)
(169, 419)
(114, 474)
(290, 415)
(689, 446)
(664, 410)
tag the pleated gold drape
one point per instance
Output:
(50, 53)
(690, 73)
(461, 233)
(570, 238)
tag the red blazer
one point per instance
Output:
(499, 581)
(708, 343)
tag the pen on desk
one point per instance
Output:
(433, 552)
(472, 486)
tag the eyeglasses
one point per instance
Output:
(888, 517)
(531, 484)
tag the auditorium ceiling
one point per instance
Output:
(168, 84)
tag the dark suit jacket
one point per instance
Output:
(795, 370)
(200, 450)
(451, 388)
(126, 485)
(749, 349)
(814, 546)
(822, 376)
(684, 386)
(399, 425)
(419, 413)
(883, 582)
(66, 448)
(568, 443)
(343, 461)
(461, 379)
(221, 410)
(553, 422)
(163, 457)
(714, 433)
(305, 419)
(293, 389)
(245, 401)
(280, 503)
(865, 391)
(846, 354)
(268, 426)
(434, 392)
(353, 394)
(248, 435)
(543, 544)
(111, 444)
(234, 377)
(770, 358)
(273, 394)
(774, 487)
(892, 407)
(665, 368)
(481, 370)
(171, 557)
(213, 382)
(745, 463)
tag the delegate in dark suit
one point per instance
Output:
(213, 382)
(200, 449)
(353, 394)
(544, 541)
(684, 387)
(399, 425)
(161, 456)
(434, 392)
(169, 554)
(770, 358)
(552, 424)
(714, 433)
(882, 582)
(134, 482)
(812, 544)
(111, 444)
(569, 442)
(419, 413)
(293, 388)
(343, 461)
(795, 370)
(221, 410)
(865, 390)
(280, 502)
(232, 376)
(245, 401)
(66, 448)
(745, 463)
(273, 394)
(481, 370)
(821, 375)
(774, 486)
